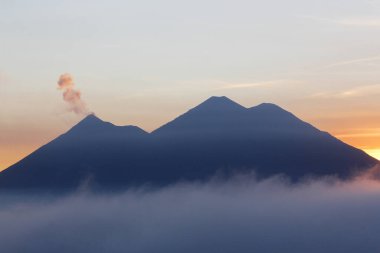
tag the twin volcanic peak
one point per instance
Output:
(219, 136)
(215, 113)
(92, 126)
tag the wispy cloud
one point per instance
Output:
(245, 85)
(369, 22)
(357, 135)
(365, 22)
(360, 132)
(110, 45)
(229, 86)
(361, 91)
(366, 60)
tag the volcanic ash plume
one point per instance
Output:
(72, 96)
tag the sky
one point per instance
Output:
(145, 62)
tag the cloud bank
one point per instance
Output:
(241, 215)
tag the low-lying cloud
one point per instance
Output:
(240, 215)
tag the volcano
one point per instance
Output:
(219, 136)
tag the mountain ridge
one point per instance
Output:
(218, 135)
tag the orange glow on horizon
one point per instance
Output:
(373, 152)
(368, 142)
(11, 156)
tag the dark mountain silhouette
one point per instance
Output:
(218, 136)
(220, 115)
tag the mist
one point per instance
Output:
(237, 215)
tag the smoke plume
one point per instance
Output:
(72, 96)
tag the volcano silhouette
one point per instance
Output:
(218, 136)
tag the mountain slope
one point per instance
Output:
(265, 138)
(91, 150)
(217, 136)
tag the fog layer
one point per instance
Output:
(239, 215)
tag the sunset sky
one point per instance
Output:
(145, 62)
